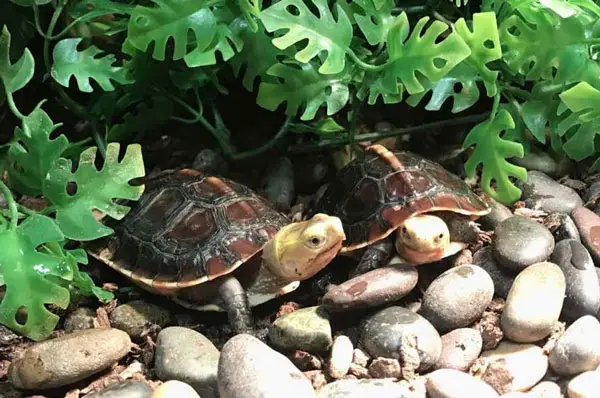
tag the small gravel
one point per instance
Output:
(460, 348)
(81, 318)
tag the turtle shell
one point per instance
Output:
(188, 228)
(376, 192)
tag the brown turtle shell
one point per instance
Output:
(188, 228)
(376, 192)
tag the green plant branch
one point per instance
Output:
(410, 9)
(12, 205)
(379, 135)
(362, 64)
(12, 106)
(283, 130)
(495, 105)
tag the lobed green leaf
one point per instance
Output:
(323, 32)
(14, 76)
(373, 21)
(84, 66)
(76, 194)
(491, 151)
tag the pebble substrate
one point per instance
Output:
(517, 318)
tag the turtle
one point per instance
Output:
(213, 244)
(383, 191)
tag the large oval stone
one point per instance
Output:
(534, 303)
(542, 192)
(520, 242)
(250, 368)
(68, 359)
(383, 333)
(578, 349)
(457, 297)
(371, 289)
(583, 288)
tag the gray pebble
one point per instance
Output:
(383, 333)
(520, 242)
(380, 388)
(278, 183)
(452, 383)
(503, 277)
(534, 303)
(135, 317)
(498, 213)
(541, 192)
(578, 349)
(186, 355)
(457, 297)
(125, 389)
(211, 162)
(307, 329)
(593, 192)
(583, 289)
(567, 229)
(539, 161)
(248, 368)
(81, 318)
(371, 289)
(67, 359)
(460, 348)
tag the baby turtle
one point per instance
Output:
(190, 233)
(383, 191)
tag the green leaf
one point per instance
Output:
(583, 124)
(146, 117)
(541, 110)
(420, 53)
(375, 22)
(491, 151)
(460, 85)
(14, 76)
(323, 32)
(533, 49)
(94, 8)
(302, 84)
(224, 42)
(375, 86)
(26, 270)
(251, 12)
(258, 54)
(172, 19)
(32, 152)
(94, 189)
(85, 65)
(485, 46)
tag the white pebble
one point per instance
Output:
(342, 353)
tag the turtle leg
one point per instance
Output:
(374, 257)
(235, 302)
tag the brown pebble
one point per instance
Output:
(358, 371)
(316, 377)
(588, 224)
(382, 368)
(460, 348)
(305, 361)
(360, 358)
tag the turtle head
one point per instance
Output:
(300, 250)
(423, 238)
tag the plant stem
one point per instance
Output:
(12, 205)
(270, 144)
(363, 64)
(51, 26)
(378, 135)
(410, 9)
(442, 18)
(496, 105)
(11, 104)
(523, 94)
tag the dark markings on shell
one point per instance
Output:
(189, 227)
(374, 194)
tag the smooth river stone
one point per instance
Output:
(578, 349)
(371, 289)
(544, 193)
(380, 388)
(452, 383)
(307, 329)
(460, 348)
(382, 335)
(588, 224)
(583, 289)
(520, 242)
(68, 359)
(457, 297)
(534, 303)
(525, 363)
(249, 368)
(503, 277)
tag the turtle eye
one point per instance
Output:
(316, 241)
(440, 237)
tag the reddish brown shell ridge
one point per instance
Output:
(188, 228)
(375, 193)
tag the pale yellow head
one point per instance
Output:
(423, 237)
(300, 250)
